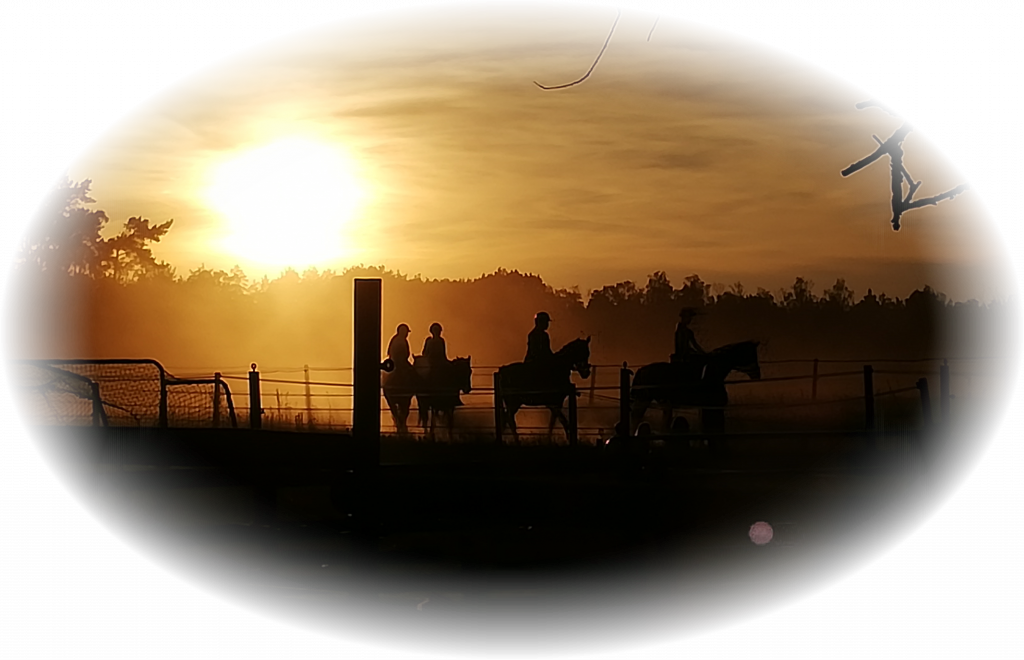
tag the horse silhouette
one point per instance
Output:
(437, 392)
(542, 384)
(400, 386)
(675, 384)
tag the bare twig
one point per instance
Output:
(652, 28)
(592, 66)
(928, 201)
(893, 148)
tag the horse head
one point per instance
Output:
(576, 354)
(741, 357)
(744, 359)
(462, 372)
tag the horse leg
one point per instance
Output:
(510, 418)
(564, 421)
(666, 416)
(401, 415)
(551, 422)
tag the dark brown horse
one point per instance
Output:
(542, 384)
(677, 384)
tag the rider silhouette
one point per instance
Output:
(398, 348)
(538, 344)
(688, 351)
(434, 350)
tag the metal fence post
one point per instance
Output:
(255, 401)
(216, 400)
(624, 375)
(162, 421)
(926, 403)
(309, 399)
(869, 398)
(814, 381)
(944, 392)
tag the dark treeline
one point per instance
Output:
(85, 296)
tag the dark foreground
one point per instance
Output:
(460, 532)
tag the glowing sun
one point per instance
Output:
(289, 203)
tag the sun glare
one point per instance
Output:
(289, 203)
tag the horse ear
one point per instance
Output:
(588, 339)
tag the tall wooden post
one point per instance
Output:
(255, 401)
(499, 409)
(624, 375)
(216, 400)
(309, 399)
(593, 384)
(366, 435)
(814, 381)
(573, 417)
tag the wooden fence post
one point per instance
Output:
(216, 399)
(255, 401)
(97, 405)
(499, 419)
(814, 381)
(162, 414)
(926, 403)
(869, 406)
(624, 375)
(869, 398)
(593, 383)
(573, 417)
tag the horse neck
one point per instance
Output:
(566, 355)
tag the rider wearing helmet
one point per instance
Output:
(688, 351)
(434, 350)
(538, 344)
(398, 347)
(401, 377)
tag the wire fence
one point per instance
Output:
(780, 399)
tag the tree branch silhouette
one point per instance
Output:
(619, 14)
(893, 148)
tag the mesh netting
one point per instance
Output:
(52, 396)
(199, 403)
(132, 392)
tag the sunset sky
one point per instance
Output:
(419, 142)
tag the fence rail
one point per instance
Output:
(596, 406)
(596, 401)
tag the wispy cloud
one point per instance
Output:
(683, 153)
